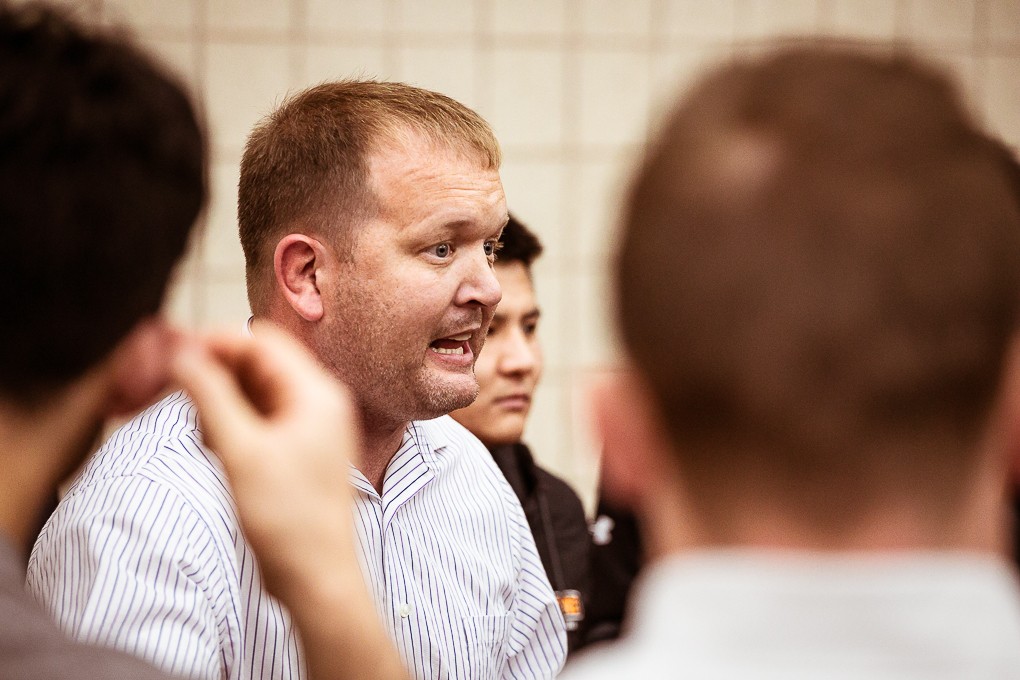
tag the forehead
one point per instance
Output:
(414, 179)
(518, 291)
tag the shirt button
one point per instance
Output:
(404, 610)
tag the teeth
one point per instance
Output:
(440, 350)
(461, 338)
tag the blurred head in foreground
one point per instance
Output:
(103, 178)
(818, 289)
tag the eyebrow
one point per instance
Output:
(533, 314)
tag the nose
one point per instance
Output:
(518, 354)
(479, 285)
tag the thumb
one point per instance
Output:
(227, 414)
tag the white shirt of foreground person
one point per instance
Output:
(800, 616)
(144, 554)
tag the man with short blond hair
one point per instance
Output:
(369, 214)
(306, 164)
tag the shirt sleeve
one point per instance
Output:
(538, 642)
(126, 563)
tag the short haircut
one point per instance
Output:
(517, 243)
(819, 280)
(103, 166)
(306, 164)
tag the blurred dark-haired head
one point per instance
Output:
(101, 179)
(518, 244)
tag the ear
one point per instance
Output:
(634, 448)
(297, 263)
(139, 367)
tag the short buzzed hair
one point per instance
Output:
(307, 162)
(820, 278)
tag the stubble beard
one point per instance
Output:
(440, 399)
(388, 393)
(391, 385)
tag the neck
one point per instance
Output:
(981, 524)
(380, 436)
(39, 448)
(380, 441)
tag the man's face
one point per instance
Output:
(509, 368)
(406, 317)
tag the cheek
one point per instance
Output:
(539, 360)
(485, 369)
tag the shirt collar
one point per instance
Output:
(938, 600)
(416, 447)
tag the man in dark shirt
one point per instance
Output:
(508, 370)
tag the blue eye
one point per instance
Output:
(442, 250)
(489, 248)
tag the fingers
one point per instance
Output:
(243, 383)
(226, 412)
(275, 371)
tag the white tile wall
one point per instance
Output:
(225, 303)
(223, 255)
(180, 55)
(151, 14)
(527, 17)
(614, 97)
(1003, 97)
(450, 70)
(349, 16)
(266, 16)
(966, 69)
(437, 16)
(601, 189)
(556, 328)
(334, 60)
(583, 467)
(674, 70)
(696, 19)
(186, 287)
(571, 87)
(1003, 23)
(525, 94)
(535, 191)
(941, 22)
(861, 19)
(549, 424)
(243, 83)
(592, 295)
(612, 17)
(758, 19)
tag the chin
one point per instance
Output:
(440, 399)
(508, 434)
(506, 440)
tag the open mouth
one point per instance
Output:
(456, 344)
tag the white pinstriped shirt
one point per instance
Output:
(144, 554)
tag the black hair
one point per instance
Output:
(102, 175)
(518, 244)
